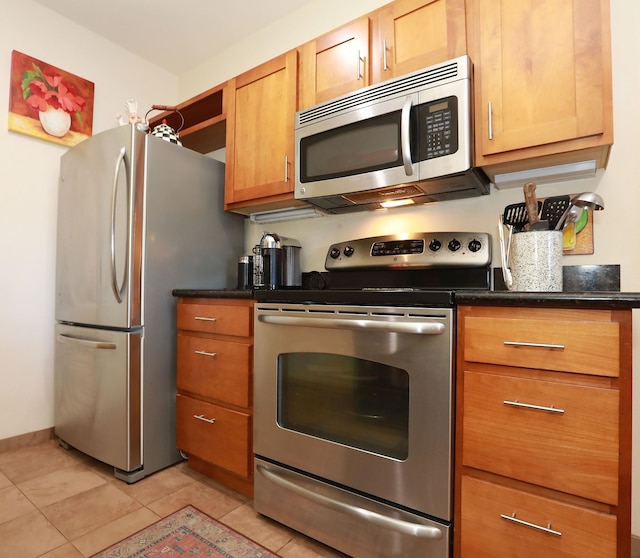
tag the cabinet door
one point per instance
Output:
(501, 522)
(543, 74)
(412, 34)
(560, 435)
(260, 132)
(216, 434)
(335, 64)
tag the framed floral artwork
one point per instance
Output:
(48, 103)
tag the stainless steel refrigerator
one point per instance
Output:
(137, 217)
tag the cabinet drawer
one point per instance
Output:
(570, 346)
(215, 318)
(571, 444)
(485, 533)
(215, 369)
(225, 442)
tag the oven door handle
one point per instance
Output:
(404, 527)
(419, 327)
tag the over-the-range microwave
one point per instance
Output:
(405, 140)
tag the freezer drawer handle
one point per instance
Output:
(205, 353)
(86, 342)
(204, 319)
(546, 529)
(405, 527)
(550, 409)
(535, 345)
(205, 419)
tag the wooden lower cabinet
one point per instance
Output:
(543, 433)
(214, 405)
(502, 522)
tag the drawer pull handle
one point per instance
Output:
(546, 529)
(205, 419)
(205, 319)
(536, 345)
(551, 409)
(205, 353)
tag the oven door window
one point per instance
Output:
(346, 400)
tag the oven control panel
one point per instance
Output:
(415, 250)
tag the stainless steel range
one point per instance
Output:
(353, 401)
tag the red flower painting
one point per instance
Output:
(49, 103)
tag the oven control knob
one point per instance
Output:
(348, 251)
(334, 253)
(435, 245)
(454, 245)
(475, 245)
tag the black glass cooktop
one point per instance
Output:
(398, 287)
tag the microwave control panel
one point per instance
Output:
(439, 128)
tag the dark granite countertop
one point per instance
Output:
(586, 299)
(212, 293)
(590, 299)
(585, 287)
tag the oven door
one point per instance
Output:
(358, 396)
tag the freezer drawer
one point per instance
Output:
(97, 393)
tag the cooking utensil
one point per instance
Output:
(586, 200)
(515, 215)
(533, 209)
(575, 213)
(553, 208)
(569, 229)
(504, 251)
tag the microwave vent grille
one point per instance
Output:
(433, 75)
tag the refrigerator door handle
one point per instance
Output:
(118, 290)
(86, 342)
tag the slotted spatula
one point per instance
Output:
(516, 215)
(553, 208)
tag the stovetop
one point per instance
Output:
(422, 269)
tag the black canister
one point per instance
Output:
(272, 260)
(245, 273)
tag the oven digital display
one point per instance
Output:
(397, 247)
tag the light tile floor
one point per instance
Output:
(57, 503)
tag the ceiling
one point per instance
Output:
(174, 35)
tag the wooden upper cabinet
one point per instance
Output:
(335, 63)
(260, 153)
(409, 35)
(543, 85)
(202, 126)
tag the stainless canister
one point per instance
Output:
(258, 268)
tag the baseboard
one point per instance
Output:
(635, 546)
(26, 440)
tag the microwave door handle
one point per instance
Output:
(405, 140)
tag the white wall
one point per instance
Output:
(28, 197)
